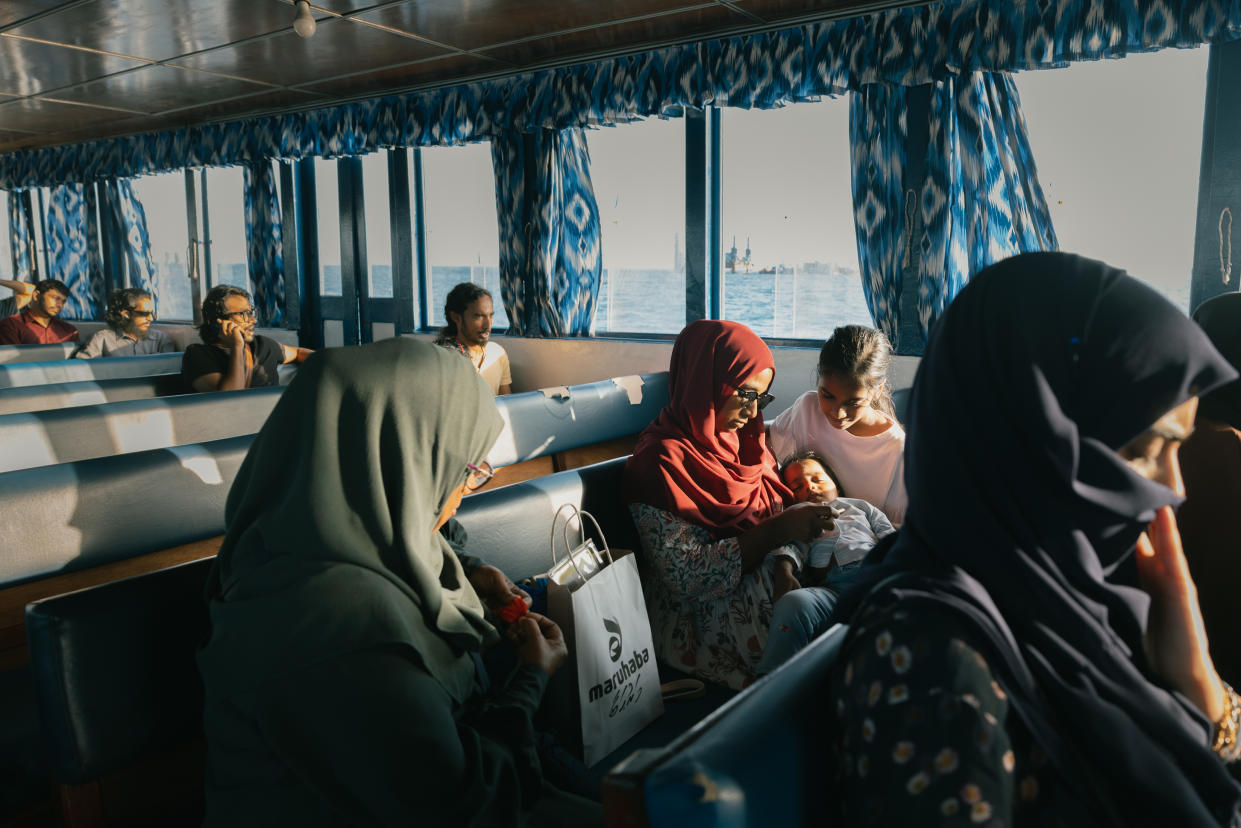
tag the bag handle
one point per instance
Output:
(579, 514)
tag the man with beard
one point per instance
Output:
(468, 310)
(129, 316)
(36, 324)
(232, 357)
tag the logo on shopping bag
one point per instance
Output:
(614, 640)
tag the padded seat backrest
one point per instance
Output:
(36, 353)
(76, 515)
(538, 423)
(114, 669)
(87, 392)
(510, 527)
(763, 758)
(61, 436)
(20, 374)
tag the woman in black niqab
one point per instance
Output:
(998, 670)
(340, 677)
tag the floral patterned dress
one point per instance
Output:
(707, 616)
(928, 736)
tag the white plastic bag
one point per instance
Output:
(598, 603)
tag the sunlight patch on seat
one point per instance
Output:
(26, 443)
(198, 460)
(141, 431)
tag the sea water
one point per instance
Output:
(792, 305)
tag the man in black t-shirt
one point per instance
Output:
(231, 356)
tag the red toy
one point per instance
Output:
(513, 610)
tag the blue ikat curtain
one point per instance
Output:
(878, 137)
(133, 220)
(69, 250)
(264, 249)
(981, 200)
(905, 47)
(550, 263)
(21, 237)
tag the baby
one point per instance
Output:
(859, 525)
(830, 562)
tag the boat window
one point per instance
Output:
(6, 250)
(790, 264)
(327, 229)
(225, 228)
(1117, 144)
(378, 224)
(163, 202)
(460, 229)
(638, 173)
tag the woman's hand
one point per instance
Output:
(495, 589)
(1176, 641)
(806, 523)
(538, 641)
(783, 579)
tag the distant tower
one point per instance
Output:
(730, 258)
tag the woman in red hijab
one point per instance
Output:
(704, 493)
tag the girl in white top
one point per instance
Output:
(849, 420)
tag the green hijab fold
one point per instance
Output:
(330, 545)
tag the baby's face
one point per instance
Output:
(809, 482)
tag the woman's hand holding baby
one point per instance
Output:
(807, 522)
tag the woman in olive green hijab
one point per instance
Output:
(340, 673)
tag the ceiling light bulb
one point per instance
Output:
(304, 24)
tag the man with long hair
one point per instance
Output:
(129, 333)
(232, 356)
(469, 312)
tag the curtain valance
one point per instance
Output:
(906, 47)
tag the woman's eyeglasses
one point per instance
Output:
(749, 395)
(141, 314)
(241, 314)
(478, 476)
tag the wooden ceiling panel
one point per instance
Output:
(46, 116)
(778, 10)
(248, 107)
(410, 75)
(58, 54)
(11, 11)
(620, 36)
(340, 47)
(492, 22)
(160, 88)
(159, 29)
(28, 67)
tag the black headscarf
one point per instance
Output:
(330, 545)
(1220, 318)
(1023, 518)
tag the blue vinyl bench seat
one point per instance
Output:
(18, 374)
(36, 353)
(114, 667)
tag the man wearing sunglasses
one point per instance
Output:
(232, 356)
(36, 323)
(129, 333)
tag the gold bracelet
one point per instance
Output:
(1226, 745)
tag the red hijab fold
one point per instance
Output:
(725, 482)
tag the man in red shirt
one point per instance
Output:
(36, 324)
